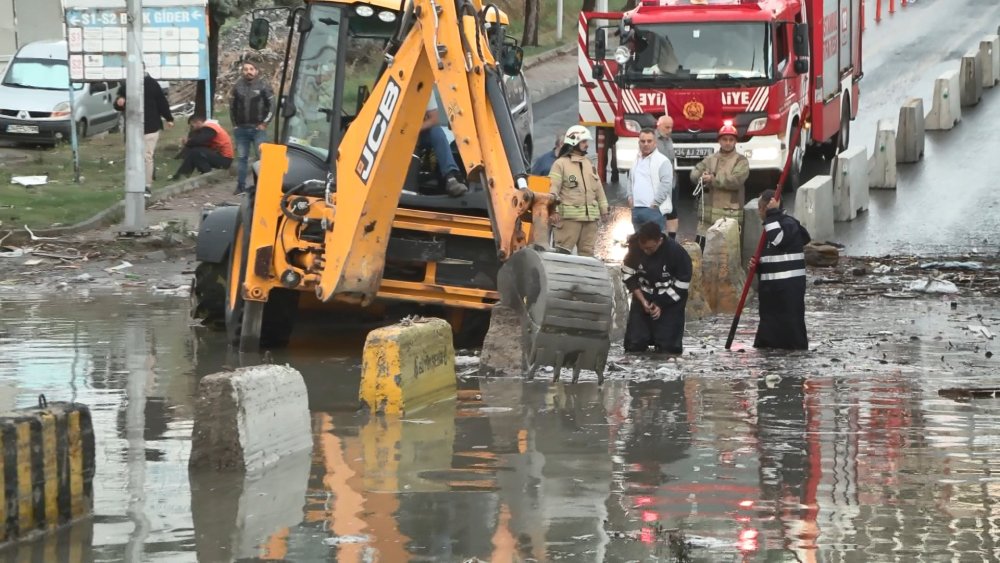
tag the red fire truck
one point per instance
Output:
(768, 66)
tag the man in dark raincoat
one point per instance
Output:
(657, 272)
(781, 274)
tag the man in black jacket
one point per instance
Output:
(251, 109)
(782, 279)
(155, 111)
(657, 272)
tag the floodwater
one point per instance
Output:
(844, 453)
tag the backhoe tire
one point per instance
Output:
(208, 295)
(251, 325)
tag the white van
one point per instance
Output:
(34, 98)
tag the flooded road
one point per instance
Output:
(846, 452)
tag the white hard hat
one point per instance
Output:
(577, 133)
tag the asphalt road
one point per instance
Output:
(946, 204)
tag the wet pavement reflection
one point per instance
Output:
(842, 453)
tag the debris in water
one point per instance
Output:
(933, 285)
(974, 266)
(124, 265)
(341, 540)
(981, 330)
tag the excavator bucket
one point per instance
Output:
(565, 303)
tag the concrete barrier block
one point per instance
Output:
(946, 107)
(814, 207)
(407, 366)
(234, 517)
(722, 270)
(248, 419)
(882, 164)
(696, 308)
(48, 469)
(970, 79)
(752, 228)
(989, 60)
(850, 184)
(620, 300)
(910, 133)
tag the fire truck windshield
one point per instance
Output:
(693, 52)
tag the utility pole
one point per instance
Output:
(559, 18)
(135, 165)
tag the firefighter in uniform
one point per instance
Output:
(781, 275)
(579, 194)
(721, 176)
(657, 272)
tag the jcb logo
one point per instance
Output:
(657, 99)
(377, 131)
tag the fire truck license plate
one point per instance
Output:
(693, 153)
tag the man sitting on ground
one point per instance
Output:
(207, 146)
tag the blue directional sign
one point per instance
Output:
(174, 42)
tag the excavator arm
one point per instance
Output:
(565, 300)
(439, 46)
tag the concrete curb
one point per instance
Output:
(549, 87)
(546, 56)
(115, 212)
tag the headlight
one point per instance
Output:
(757, 125)
(764, 153)
(365, 11)
(62, 109)
(622, 55)
(633, 126)
(387, 17)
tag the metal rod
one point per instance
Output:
(74, 142)
(760, 244)
(559, 19)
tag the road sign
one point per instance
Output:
(174, 41)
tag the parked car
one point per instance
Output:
(35, 102)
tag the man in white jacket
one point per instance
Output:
(650, 183)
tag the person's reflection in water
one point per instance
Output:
(654, 442)
(788, 478)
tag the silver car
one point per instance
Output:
(35, 102)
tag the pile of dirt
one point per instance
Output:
(234, 48)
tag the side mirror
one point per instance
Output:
(260, 29)
(511, 60)
(800, 40)
(601, 44)
(598, 71)
(801, 66)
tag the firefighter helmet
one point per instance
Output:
(577, 133)
(728, 129)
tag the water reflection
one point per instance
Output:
(749, 456)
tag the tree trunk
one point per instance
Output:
(588, 5)
(629, 4)
(215, 22)
(531, 9)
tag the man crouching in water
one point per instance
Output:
(657, 272)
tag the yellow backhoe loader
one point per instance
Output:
(347, 212)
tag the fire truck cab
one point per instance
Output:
(770, 67)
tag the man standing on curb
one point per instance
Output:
(155, 110)
(251, 109)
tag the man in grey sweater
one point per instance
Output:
(665, 144)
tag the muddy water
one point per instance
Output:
(843, 453)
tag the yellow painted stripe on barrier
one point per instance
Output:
(77, 507)
(25, 497)
(50, 470)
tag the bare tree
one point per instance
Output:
(531, 16)
(588, 5)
